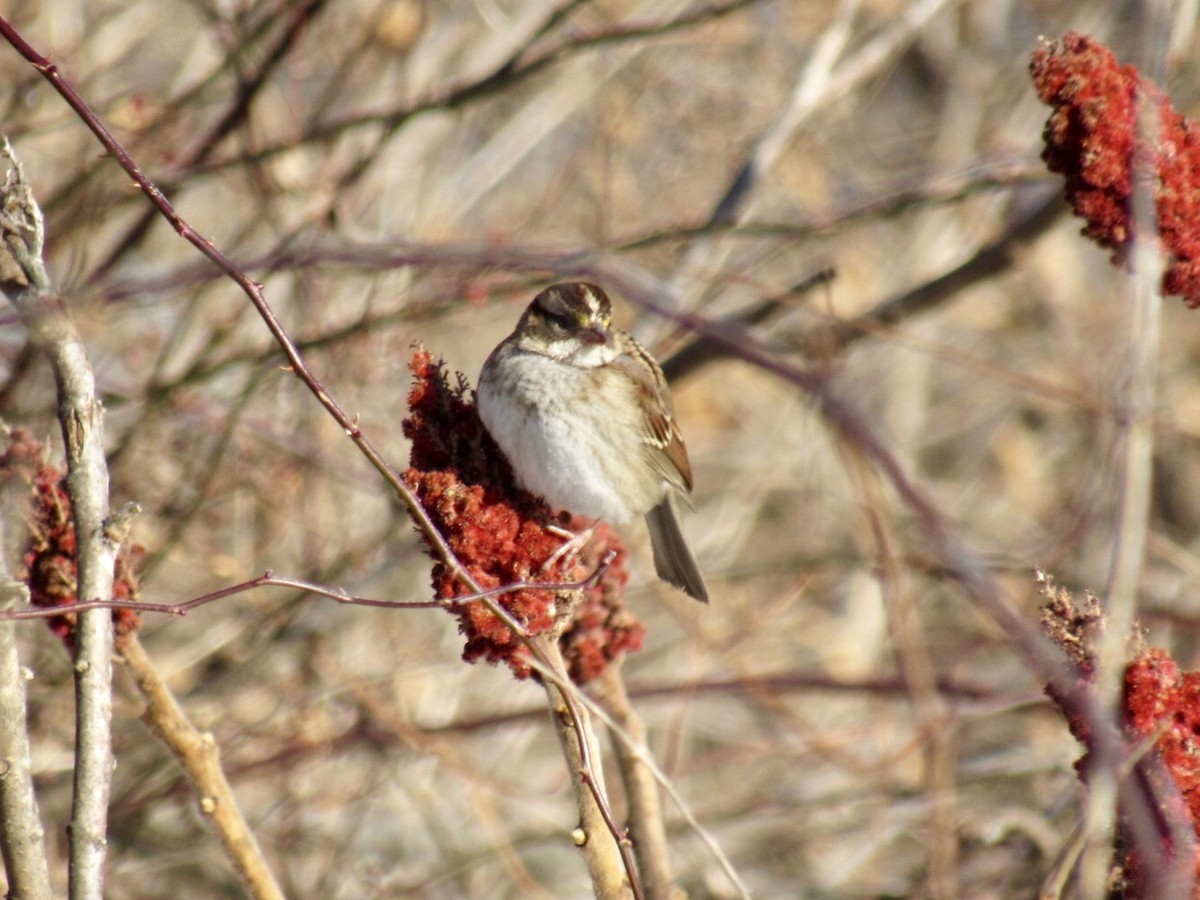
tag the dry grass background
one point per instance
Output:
(841, 718)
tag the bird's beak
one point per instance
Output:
(594, 334)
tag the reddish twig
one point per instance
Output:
(269, 579)
(252, 289)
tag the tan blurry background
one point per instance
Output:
(897, 140)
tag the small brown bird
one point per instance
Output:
(584, 416)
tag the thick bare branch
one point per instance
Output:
(197, 753)
(641, 789)
(595, 833)
(24, 281)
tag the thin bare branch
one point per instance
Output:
(827, 78)
(1136, 422)
(183, 607)
(21, 831)
(828, 340)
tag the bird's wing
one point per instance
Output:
(666, 451)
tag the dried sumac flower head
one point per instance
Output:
(48, 562)
(1076, 628)
(602, 628)
(1093, 138)
(1160, 706)
(500, 534)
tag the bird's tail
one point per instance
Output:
(672, 559)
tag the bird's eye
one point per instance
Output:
(559, 324)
